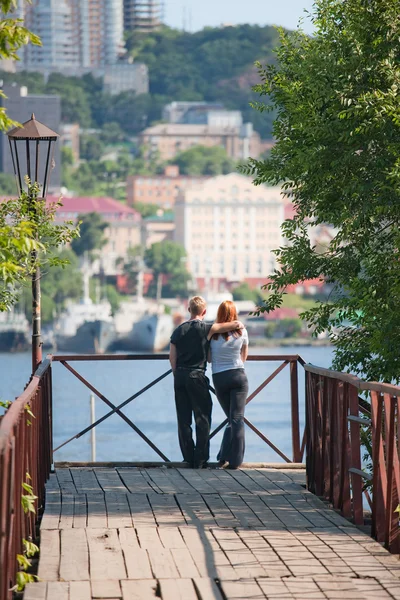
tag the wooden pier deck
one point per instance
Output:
(183, 534)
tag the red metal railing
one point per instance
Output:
(25, 448)
(335, 415)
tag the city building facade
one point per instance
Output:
(161, 190)
(70, 138)
(158, 228)
(213, 114)
(123, 231)
(143, 15)
(168, 140)
(229, 228)
(47, 109)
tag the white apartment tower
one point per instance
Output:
(143, 15)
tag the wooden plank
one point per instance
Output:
(223, 516)
(242, 589)
(182, 486)
(166, 511)
(265, 483)
(241, 511)
(158, 479)
(198, 483)
(118, 511)
(106, 589)
(207, 589)
(171, 537)
(195, 510)
(36, 591)
(263, 513)
(139, 590)
(209, 559)
(136, 558)
(285, 512)
(58, 589)
(141, 511)
(134, 481)
(110, 481)
(74, 564)
(65, 482)
(177, 589)
(52, 484)
(154, 487)
(97, 512)
(67, 511)
(162, 563)
(148, 538)
(105, 555)
(80, 511)
(184, 562)
(80, 590)
(85, 481)
(49, 561)
(51, 516)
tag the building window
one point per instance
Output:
(247, 266)
(259, 264)
(221, 266)
(234, 266)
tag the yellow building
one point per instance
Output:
(229, 227)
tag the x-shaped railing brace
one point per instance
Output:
(117, 409)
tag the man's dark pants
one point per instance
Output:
(192, 396)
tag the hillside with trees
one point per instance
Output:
(215, 64)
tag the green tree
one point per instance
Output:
(201, 160)
(91, 147)
(244, 292)
(58, 285)
(91, 235)
(337, 156)
(167, 260)
(7, 184)
(20, 233)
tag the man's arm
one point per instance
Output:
(172, 356)
(224, 327)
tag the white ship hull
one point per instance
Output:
(152, 333)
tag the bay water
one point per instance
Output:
(154, 411)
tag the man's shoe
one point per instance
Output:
(187, 464)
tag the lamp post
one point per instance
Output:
(26, 144)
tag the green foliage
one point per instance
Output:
(113, 297)
(28, 500)
(168, 259)
(200, 160)
(147, 210)
(244, 292)
(7, 184)
(13, 37)
(133, 265)
(27, 224)
(22, 577)
(59, 284)
(91, 235)
(213, 64)
(91, 147)
(337, 156)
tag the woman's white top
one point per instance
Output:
(225, 354)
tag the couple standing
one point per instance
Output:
(224, 344)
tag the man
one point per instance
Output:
(188, 358)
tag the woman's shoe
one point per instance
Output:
(222, 464)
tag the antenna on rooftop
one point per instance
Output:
(184, 17)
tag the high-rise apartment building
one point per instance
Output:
(143, 15)
(75, 34)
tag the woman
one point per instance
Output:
(227, 354)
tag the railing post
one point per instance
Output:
(294, 393)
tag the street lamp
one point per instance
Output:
(28, 144)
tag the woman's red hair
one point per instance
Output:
(226, 313)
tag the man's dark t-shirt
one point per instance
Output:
(191, 343)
